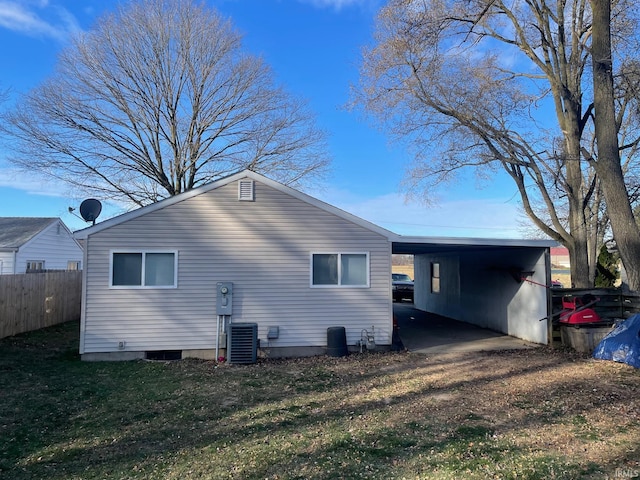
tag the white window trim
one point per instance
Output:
(435, 278)
(77, 264)
(339, 285)
(143, 287)
(29, 262)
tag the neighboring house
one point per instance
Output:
(172, 276)
(31, 244)
(560, 257)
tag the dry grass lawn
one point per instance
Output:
(526, 414)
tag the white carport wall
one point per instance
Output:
(481, 283)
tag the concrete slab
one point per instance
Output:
(424, 332)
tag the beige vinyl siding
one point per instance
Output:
(263, 246)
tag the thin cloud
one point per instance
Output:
(32, 184)
(478, 218)
(334, 4)
(37, 19)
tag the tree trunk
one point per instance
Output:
(625, 229)
(578, 259)
(578, 251)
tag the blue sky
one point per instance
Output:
(313, 47)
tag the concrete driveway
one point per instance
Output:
(424, 332)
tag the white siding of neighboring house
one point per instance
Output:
(54, 245)
(7, 263)
(264, 247)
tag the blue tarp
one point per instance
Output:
(622, 344)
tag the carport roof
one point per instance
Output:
(419, 245)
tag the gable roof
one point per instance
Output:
(16, 231)
(84, 233)
(401, 244)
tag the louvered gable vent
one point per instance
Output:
(245, 190)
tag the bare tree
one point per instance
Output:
(158, 99)
(608, 164)
(489, 85)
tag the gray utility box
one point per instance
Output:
(224, 298)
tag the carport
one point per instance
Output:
(494, 284)
(424, 332)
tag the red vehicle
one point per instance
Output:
(577, 310)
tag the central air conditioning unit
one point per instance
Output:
(242, 343)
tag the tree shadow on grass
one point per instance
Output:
(384, 415)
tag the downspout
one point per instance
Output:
(83, 295)
(547, 267)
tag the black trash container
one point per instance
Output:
(337, 342)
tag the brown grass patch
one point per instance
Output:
(534, 414)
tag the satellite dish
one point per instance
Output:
(90, 209)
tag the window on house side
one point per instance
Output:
(73, 265)
(340, 269)
(435, 277)
(144, 269)
(35, 266)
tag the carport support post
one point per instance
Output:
(547, 266)
(550, 332)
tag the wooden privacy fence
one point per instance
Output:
(612, 303)
(36, 300)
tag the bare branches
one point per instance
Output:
(485, 83)
(158, 99)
